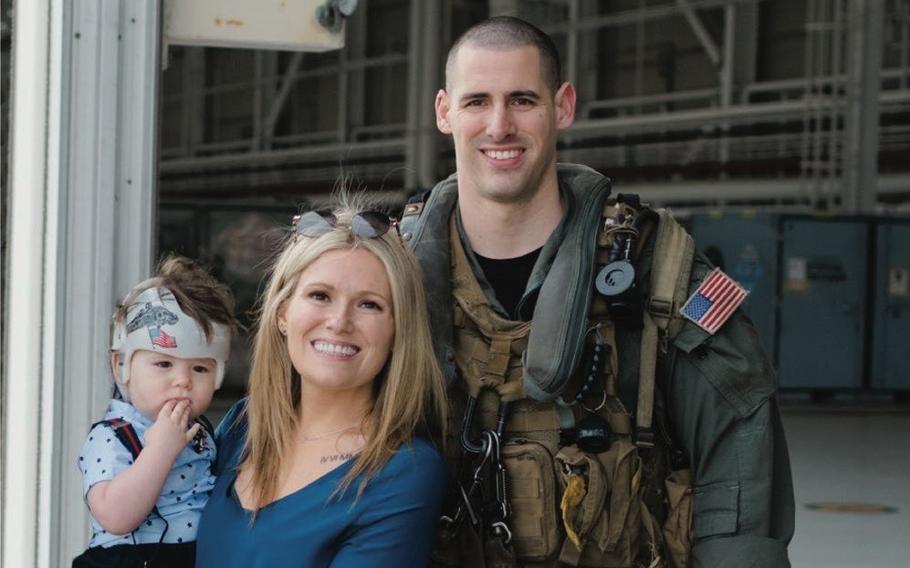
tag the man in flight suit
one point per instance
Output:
(510, 208)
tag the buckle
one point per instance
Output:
(660, 307)
(644, 438)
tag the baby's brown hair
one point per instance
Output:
(200, 295)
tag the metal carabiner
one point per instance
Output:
(501, 481)
(487, 450)
(467, 443)
(452, 523)
(476, 447)
(500, 527)
(501, 417)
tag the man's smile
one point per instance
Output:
(503, 156)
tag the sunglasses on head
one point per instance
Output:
(366, 224)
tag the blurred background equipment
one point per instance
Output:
(808, 280)
(829, 295)
(891, 308)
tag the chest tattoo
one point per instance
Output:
(336, 458)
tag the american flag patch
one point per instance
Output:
(162, 339)
(714, 301)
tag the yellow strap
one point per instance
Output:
(571, 499)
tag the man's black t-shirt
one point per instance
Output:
(509, 277)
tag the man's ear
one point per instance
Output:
(116, 366)
(565, 105)
(442, 112)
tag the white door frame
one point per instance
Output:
(83, 132)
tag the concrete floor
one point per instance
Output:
(850, 455)
(840, 454)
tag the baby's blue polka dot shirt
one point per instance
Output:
(182, 498)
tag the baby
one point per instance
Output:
(146, 467)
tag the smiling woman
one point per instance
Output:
(339, 329)
(329, 460)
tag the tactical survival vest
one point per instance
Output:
(572, 479)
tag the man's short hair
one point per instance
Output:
(507, 32)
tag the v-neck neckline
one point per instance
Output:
(232, 490)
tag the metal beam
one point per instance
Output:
(903, 17)
(257, 103)
(629, 17)
(727, 63)
(698, 28)
(745, 57)
(727, 191)
(192, 128)
(431, 80)
(700, 120)
(355, 46)
(862, 115)
(287, 83)
(412, 134)
(277, 157)
(341, 116)
(694, 119)
(726, 75)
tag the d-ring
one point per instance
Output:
(603, 402)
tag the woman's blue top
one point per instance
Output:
(393, 523)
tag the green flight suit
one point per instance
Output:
(720, 403)
(722, 409)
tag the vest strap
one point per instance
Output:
(671, 266)
(126, 434)
(473, 313)
(670, 270)
(644, 416)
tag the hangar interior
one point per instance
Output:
(779, 128)
(710, 107)
(791, 114)
(691, 102)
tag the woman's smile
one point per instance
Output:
(339, 321)
(334, 349)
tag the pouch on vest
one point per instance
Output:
(600, 504)
(536, 533)
(677, 529)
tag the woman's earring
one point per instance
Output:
(282, 329)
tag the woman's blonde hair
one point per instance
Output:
(409, 393)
